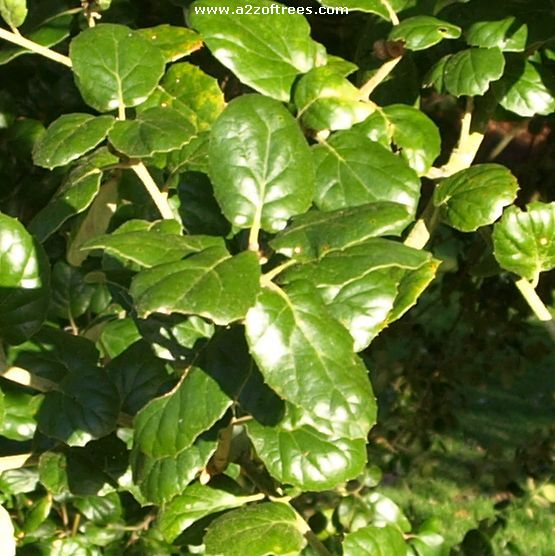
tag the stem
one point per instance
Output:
(312, 539)
(465, 151)
(423, 228)
(34, 47)
(385, 69)
(536, 304)
(270, 275)
(25, 378)
(160, 200)
(254, 231)
(121, 112)
(391, 12)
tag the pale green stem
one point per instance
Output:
(270, 275)
(385, 69)
(255, 230)
(121, 111)
(17, 39)
(423, 228)
(159, 198)
(536, 304)
(391, 12)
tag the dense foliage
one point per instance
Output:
(207, 219)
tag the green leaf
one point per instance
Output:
(270, 528)
(49, 33)
(470, 72)
(375, 541)
(260, 164)
(307, 357)
(526, 89)
(190, 91)
(19, 421)
(86, 404)
(306, 458)
(194, 503)
(151, 247)
(351, 170)
(24, 282)
(211, 284)
(71, 296)
(138, 375)
(476, 196)
(326, 100)
(69, 137)
(114, 66)
(74, 197)
(266, 53)
(165, 457)
(160, 479)
(174, 42)
(407, 130)
(13, 12)
(117, 336)
(422, 31)
(314, 234)
(523, 241)
(360, 283)
(168, 425)
(156, 130)
(508, 34)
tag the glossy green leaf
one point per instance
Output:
(264, 529)
(307, 358)
(340, 65)
(194, 503)
(114, 66)
(407, 130)
(260, 164)
(117, 336)
(476, 196)
(526, 89)
(71, 295)
(470, 72)
(190, 91)
(24, 282)
(69, 137)
(422, 31)
(165, 433)
(138, 375)
(151, 247)
(327, 100)
(360, 283)
(306, 458)
(75, 196)
(174, 42)
(352, 170)
(48, 33)
(211, 284)
(13, 12)
(436, 75)
(264, 52)
(168, 425)
(19, 422)
(523, 241)
(193, 156)
(37, 514)
(508, 34)
(156, 130)
(375, 541)
(316, 233)
(86, 405)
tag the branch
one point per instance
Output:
(391, 12)
(16, 38)
(384, 70)
(159, 198)
(423, 228)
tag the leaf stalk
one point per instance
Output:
(16, 38)
(159, 198)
